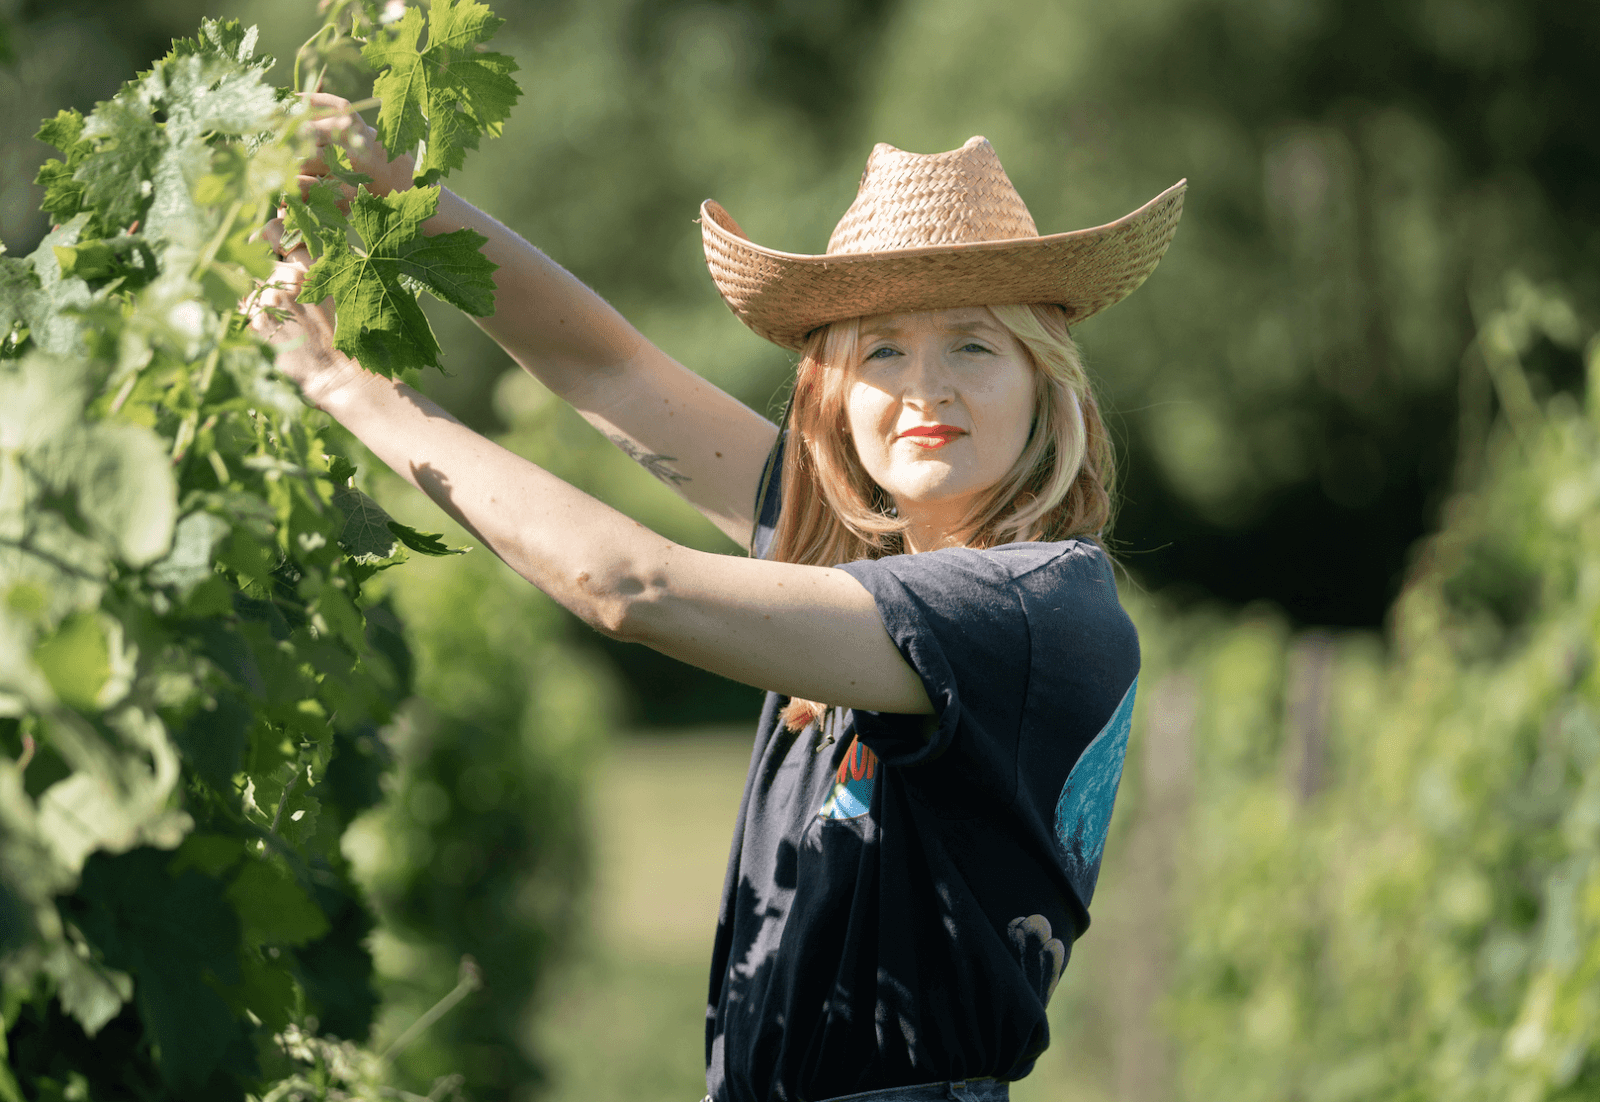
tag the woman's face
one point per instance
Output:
(939, 406)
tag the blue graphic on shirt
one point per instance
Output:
(1083, 812)
(851, 797)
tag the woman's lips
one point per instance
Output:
(931, 436)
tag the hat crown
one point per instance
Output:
(916, 200)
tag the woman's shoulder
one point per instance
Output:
(1040, 561)
(1077, 554)
(1036, 577)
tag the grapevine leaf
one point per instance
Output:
(274, 909)
(301, 810)
(21, 682)
(76, 661)
(378, 319)
(41, 398)
(54, 329)
(213, 739)
(64, 131)
(125, 142)
(224, 38)
(315, 219)
(168, 932)
(63, 195)
(109, 808)
(125, 255)
(424, 543)
(444, 97)
(337, 969)
(340, 470)
(267, 990)
(203, 96)
(341, 168)
(65, 568)
(120, 479)
(366, 536)
(190, 561)
(212, 854)
(19, 297)
(89, 992)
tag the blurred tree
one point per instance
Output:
(1289, 379)
(480, 851)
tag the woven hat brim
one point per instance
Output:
(784, 296)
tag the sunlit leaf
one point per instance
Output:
(445, 96)
(378, 319)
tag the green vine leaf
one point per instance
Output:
(275, 910)
(168, 932)
(424, 543)
(440, 99)
(366, 536)
(315, 220)
(225, 38)
(182, 634)
(63, 193)
(379, 321)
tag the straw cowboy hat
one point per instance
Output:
(930, 232)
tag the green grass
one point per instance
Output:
(625, 1022)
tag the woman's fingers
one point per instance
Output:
(334, 124)
(307, 182)
(298, 257)
(274, 309)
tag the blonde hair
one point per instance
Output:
(1059, 487)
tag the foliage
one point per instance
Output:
(374, 290)
(439, 99)
(191, 685)
(1391, 883)
(482, 849)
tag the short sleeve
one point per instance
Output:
(769, 494)
(959, 618)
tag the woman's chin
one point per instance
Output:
(932, 500)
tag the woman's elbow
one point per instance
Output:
(616, 604)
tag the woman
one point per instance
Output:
(949, 673)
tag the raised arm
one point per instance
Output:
(702, 442)
(806, 631)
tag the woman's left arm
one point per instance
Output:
(804, 631)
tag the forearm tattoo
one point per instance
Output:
(655, 464)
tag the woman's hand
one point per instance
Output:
(301, 335)
(334, 124)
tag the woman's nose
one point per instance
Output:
(927, 381)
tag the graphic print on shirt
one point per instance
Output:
(1043, 955)
(851, 796)
(1084, 810)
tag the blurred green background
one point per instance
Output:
(1297, 395)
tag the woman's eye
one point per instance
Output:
(882, 353)
(974, 346)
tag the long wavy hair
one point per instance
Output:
(1059, 488)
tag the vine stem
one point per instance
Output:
(306, 45)
(471, 979)
(123, 392)
(283, 801)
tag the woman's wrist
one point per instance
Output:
(454, 213)
(342, 391)
(389, 176)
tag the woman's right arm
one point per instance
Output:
(696, 438)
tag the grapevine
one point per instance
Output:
(1393, 891)
(191, 680)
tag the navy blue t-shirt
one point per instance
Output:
(904, 891)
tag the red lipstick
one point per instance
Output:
(931, 436)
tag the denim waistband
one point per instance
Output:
(960, 1090)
